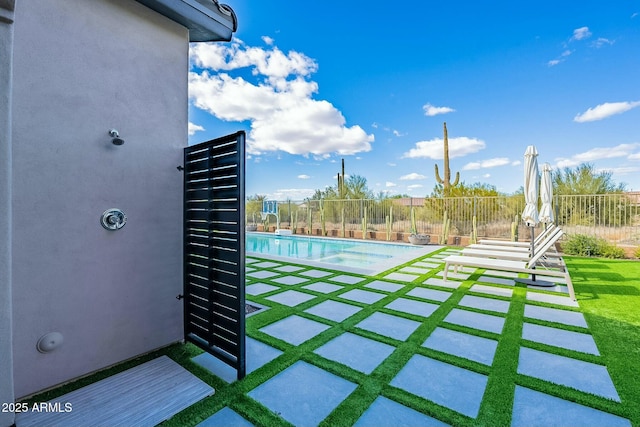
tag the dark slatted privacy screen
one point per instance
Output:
(214, 248)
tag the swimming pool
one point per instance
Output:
(358, 256)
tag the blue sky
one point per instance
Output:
(372, 82)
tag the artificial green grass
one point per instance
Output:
(609, 296)
(607, 291)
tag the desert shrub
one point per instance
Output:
(637, 252)
(611, 251)
(583, 245)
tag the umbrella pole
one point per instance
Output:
(533, 276)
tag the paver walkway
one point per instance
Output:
(407, 348)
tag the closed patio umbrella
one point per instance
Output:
(530, 213)
(546, 195)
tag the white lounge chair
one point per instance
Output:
(539, 238)
(527, 267)
(546, 246)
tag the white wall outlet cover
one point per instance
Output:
(49, 342)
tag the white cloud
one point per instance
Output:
(490, 163)
(193, 128)
(581, 33)
(291, 194)
(431, 110)
(392, 164)
(566, 53)
(390, 184)
(398, 133)
(412, 177)
(599, 153)
(621, 170)
(434, 148)
(303, 176)
(278, 101)
(634, 14)
(554, 62)
(516, 163)
(268, 40)
(414, 186)
(601, 41)
(486, 175)
(605, 110)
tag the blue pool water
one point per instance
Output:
(354, 254)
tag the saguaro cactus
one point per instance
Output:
(446, 179)
(514, 229)
(446, 223)
(473, 238)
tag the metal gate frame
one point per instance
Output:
(214, 248)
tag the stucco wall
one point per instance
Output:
(6, 354)
(80, 68)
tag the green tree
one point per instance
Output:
(584, 204)
(585, 179)
(356, 188)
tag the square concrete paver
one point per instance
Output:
(346, 279)
(419, 308)
(384, 286)
(290, 298)
(478, 349)
(390, 326)
(447, 385)
(290, 280)
(365, 297)
(315, 273)
(258, 354)
(356, 352)
(566, 317)
(262, 274)
(454, 275)
(225, 417)
(303, 394)
(412, 269)
(294, 329)
(497, 280)
(289, 268)
(266, 264)
(484, 322)
(551, 299)
(323, 287)
(560, 338)
(431, 294)
(385, 412)
(427, 264)
(532, 408)
(333, 310)
(500, 273)
(584, 376)
(481, 303)
(492, 290)
(401, 277)
(260, 288)
(435, 281)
